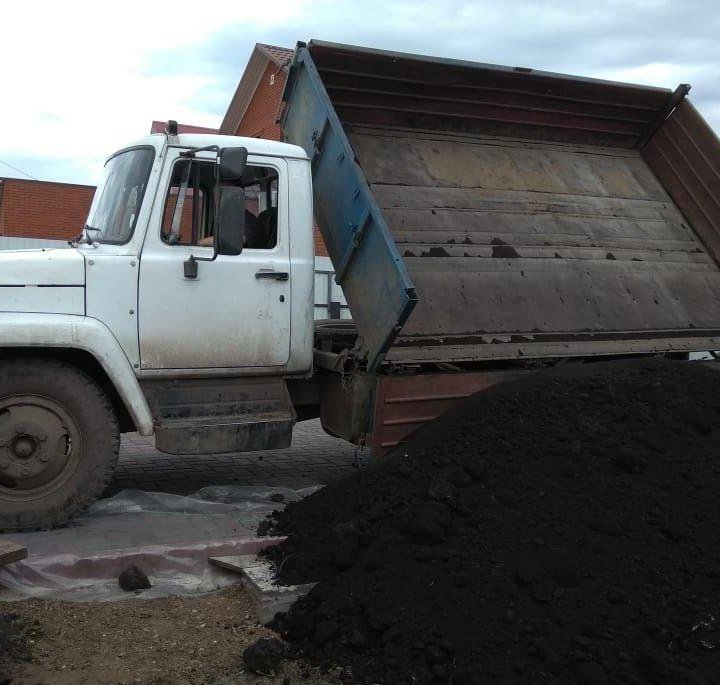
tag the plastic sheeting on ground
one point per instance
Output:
(170, 537)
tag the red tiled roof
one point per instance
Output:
(159, 127)
(277, 54)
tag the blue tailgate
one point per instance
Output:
(367, 263)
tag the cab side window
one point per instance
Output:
(261, 207)
(188, 218)
(187, 215)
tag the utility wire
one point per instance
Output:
(24, 173)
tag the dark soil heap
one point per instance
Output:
(564, 528)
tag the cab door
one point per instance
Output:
(236, 312)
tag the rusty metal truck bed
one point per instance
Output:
(524, 214)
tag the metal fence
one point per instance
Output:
(330, 302)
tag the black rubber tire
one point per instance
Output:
(90, 409)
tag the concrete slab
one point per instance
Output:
(258, 578)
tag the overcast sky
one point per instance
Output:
(80, 80)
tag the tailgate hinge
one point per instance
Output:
(358, 231)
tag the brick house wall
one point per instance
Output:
(260, 117)
(42, 209)
(259, 120)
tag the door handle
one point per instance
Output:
(275, 275)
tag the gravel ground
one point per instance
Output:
(169, 641)
(173, 640)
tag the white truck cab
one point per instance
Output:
(181, 311)
(154, 211)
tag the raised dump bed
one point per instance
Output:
(477, 212)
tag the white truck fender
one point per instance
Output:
(81, 333)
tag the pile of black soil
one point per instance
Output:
(564, 528)
(16, 636)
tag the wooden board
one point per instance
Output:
(11, 551)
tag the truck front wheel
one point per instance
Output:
(59, 442)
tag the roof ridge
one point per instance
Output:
(275, 53)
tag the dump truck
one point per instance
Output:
(483, 222)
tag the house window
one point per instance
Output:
(272, 79)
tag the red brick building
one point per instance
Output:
(255, 106)
(43, 209)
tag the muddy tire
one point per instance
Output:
(59, 443)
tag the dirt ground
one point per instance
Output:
(147, 642)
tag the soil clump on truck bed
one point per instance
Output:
(562, 528)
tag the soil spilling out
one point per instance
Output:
(563, 528)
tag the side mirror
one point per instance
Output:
(230, 228)
(232, 163)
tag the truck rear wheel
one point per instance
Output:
(59, 443)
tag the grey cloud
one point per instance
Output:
(586, 38)
(590, 38)
(46, 169)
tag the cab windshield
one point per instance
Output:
(119, 196)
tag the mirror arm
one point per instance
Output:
(207, 148)
(205, 259)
